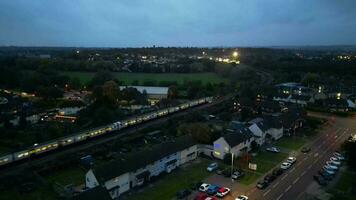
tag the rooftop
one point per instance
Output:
(149, 90)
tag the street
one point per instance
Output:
(293, 183)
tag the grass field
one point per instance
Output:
(128, 78)
(292, 143)
(167, 187)
(72, 175)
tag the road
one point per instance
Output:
(295, 181)
(74, 149)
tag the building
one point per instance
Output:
(154, 94)
(133, 170)
(268, 128)
(236, 143)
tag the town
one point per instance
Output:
(185, 116)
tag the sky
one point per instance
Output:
(203, 23)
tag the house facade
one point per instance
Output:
(134, 170)
(236, 143)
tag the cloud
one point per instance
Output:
(112, 23)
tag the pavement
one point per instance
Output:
(297, 182)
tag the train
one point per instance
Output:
(51, 145)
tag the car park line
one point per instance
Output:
(280, 196)
(284, 177)
(288, 188)
(296, 180)
(264, 194)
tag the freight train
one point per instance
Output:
(37, 149)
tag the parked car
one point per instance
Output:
(196, 185)
(285, 165)
(325, 175)
(212, 167)
(223, 192)
(331, 167)
(213, 189)
(183, 193)
(241, 197)
(227, 172)
(212, 198)
(331, 172)
(306, 150)
(334, 162)
(219, 171)
(277, 172)
(273, 149)
(338, 155)
(237, 174)
(269, 178)
(320, 180)
(334, 159)
(262, 184)
(204, 187)
(201, 196)
(291, 160)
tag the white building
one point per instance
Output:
(153, 93)
(135, 169)
(236, 143)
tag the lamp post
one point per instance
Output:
(232, 166)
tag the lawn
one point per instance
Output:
(73, 175)
(128, 78)
(41, 193)
(166, 187)
(343, 187)
(292, 143)
(265, 162)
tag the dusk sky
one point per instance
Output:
(138, 23)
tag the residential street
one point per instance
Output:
(293, 183)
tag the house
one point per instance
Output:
(93, 194)
(282, 97)
(302, 100)
(292, 120)
(270, 127)
(135, 169)
(337, 105)
(268, 106)
(236, 143)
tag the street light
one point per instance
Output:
(232, 165)
(235, 54)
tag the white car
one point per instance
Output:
(223, 192)
(204, 187)
(273, 149)
(212, 167)
(333, 162)
(339, 156)
(291, 160)
(332, 167)
(242, 197)
(285, 165)
(334, 159)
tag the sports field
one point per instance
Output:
(128, 78)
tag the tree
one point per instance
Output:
(101, 77)
(200, 132)
(173, 92)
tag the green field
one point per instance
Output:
(292, 143)
(167, 187)
(128, 78)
